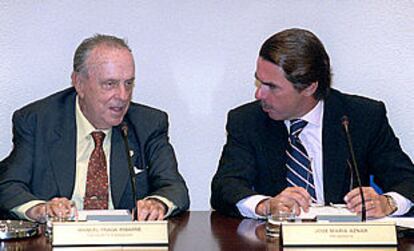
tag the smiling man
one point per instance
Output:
(288, 150)
(68, 147)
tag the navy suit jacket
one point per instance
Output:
(43, 160)
(253, 158)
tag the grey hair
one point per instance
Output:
(87, 45)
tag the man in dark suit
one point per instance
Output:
(69, 148)
(289, 149)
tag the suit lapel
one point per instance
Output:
(119, 164)
(62, 148)
(274, 145)
(336, 176)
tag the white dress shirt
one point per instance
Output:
(311, 138)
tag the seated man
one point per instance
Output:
(69, 146)
(289, 149)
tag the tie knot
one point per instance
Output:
(296, 126)
(98, 138)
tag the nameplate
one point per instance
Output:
(339, 234)
(148, 233)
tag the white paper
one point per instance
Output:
(335, 209)
(407, 222)
(83, 215)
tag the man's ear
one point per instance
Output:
(77, 83)
(311, 89)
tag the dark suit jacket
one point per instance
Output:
(253, 159)
(43, 160)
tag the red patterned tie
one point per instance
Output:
(96, 195)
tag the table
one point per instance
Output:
(201, 230)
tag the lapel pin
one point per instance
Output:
(131, 153)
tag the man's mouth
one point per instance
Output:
(266, 107)
(117, 109)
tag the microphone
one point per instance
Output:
(124, 130)
(354, 166)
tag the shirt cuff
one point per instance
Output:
(21, 210)
(170, 205)
(403, 204)
(247, 206)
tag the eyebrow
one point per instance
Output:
(109, 80)
(118, 80)
(263, 82)
(131, 79)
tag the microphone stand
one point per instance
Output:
(124, 130)
(345, 123)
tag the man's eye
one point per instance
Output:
(129, 84)
(272, 87)
(108, 85)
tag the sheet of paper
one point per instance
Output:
(104, 215)
(335, 209)
(407, 222)
(340, 209)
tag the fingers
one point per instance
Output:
(263, 208)
(374, 208)
(151, 209)
(270, 206)
(37, 213)
(292, 199)
(60, 207)
(56, 207)
(376, 205)
(353, 198)
(378, 208)
(296, 198)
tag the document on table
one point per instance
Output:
(104, 215)
(407, 222)
(340, 209)
(333, 210)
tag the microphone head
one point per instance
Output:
(345, 121)
(124, 129)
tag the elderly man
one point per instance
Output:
(68, 147)
(289, 149)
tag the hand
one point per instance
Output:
(151, 209)
(292, 199)
(37, 213)
(376, 205)
(60, 207)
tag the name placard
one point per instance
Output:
(339, 234)
(110, 233)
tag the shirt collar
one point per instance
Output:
(313, 117)
(84, 127)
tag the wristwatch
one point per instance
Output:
(391, 204)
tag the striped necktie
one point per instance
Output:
(298, 164)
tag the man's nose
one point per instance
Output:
(123, 92)
(260, 93)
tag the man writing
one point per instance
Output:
(288, 149)
(69, 145)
